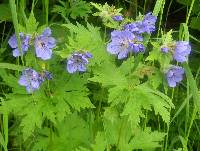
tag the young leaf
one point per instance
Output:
(146, 139)
(31, 24)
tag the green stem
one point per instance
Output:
(98, 110)
(190, 126)
(168, 12)
(124, 120)
(160, 21)
(47, 10)
(166, 139)
(15, 23)
(189, 13)
(187, 106)
(145, 120)
(145, 3)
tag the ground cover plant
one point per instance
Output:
(99, 76)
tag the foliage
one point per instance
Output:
(108, 104)
(73, 9)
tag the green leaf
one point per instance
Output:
(74, 91)
(157, 7)
(146, 139)
(5, 13)
(88, 39)
(100, 142)
(192, 85)
(12, 81)
(32, 120)
(117, 129)
(31, 24)
(73, 9)
(150, 99)
(109, 75)
(11, 66)
(79, 8)
(2, 142)
(167, 38)
(195, 23)
(106, 13)
(72, 133)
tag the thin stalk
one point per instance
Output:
(194, 92)
(145, 3)
(190, 126)
(15, 23)
(168, 13)
(98, 110)
(5, 129)
(187, 107)
(123, 124)
(105, 32)
(145, 120)
(189, 13)
(160, 21)
(166, 139)
(3, 33)
(47, 10)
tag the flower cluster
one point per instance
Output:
(123, 42)
(130, 39)
(78, 61)
(180, 51)
(147, 25)
(32, 80)
(43, 43)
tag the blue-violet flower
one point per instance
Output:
(182, 50)
(174, 75)
(124, 42)
(78, 62)
(165, 49)
(24, 44)
(30, 79)
(149, 22)
(44, 44)
(118, 18)
(147, 25)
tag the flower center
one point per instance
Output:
(77, 59)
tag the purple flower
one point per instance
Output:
(118, 18)
(136, 27)
(137, 45)
(24, 44)
(149, 22)
(78, 62)
(45, 75)
(48, 75)
(30, 79)
(147, 25)
(182, 50)
(174, 75)
(44, 44)
(165, 49)
(124, 42)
